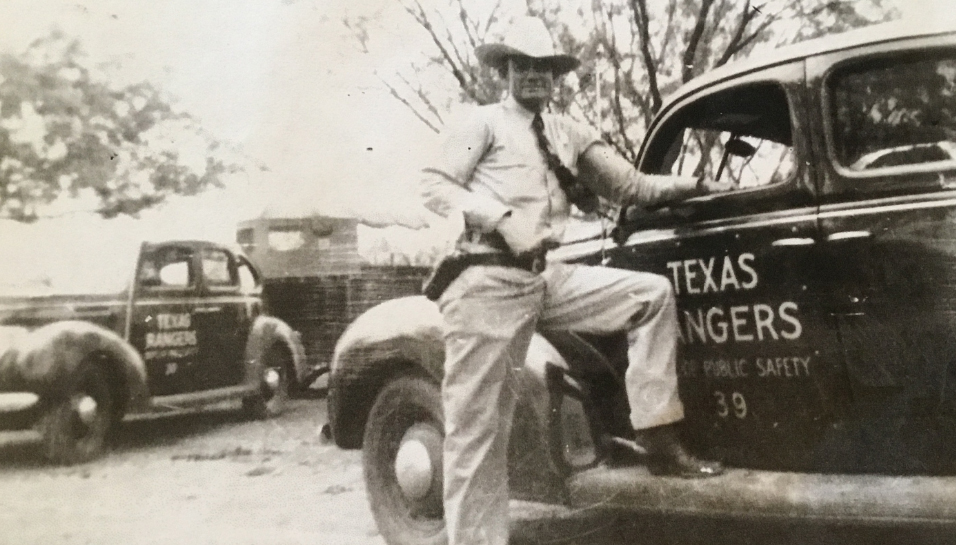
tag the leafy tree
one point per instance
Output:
(634, 52)
(67, 133)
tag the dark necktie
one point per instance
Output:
(577, 193)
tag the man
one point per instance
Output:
(509, 169)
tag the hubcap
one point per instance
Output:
(416, 461)
(272, 379)
(85, 408)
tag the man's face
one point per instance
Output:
(531, 81)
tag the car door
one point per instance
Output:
(757, 356)
(163, 325)
(887, 133)
(222, 318)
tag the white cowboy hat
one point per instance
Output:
(527, 37)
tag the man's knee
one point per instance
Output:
(654, 296)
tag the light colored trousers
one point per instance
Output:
(490, 314)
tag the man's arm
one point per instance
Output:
(445, 181)
(611, 176)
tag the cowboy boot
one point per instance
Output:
(667, 456)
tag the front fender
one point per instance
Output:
(406, 334)
(267, 331)
(400, 334)
(43, 360)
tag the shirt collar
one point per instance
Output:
(512, 105)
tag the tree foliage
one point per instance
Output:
(633, 52)
(67, 133)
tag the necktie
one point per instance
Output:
(577, 193)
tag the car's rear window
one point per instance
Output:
(895, 112)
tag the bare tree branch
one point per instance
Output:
(394, 92)
(670, 30)
(641, 19)
(422, 18)
(690, 54)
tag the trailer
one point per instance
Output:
(315, 279)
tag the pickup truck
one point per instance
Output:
(182, 324)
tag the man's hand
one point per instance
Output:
(518, 234)
(706, 186)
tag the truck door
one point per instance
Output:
(162, 327)
(222, 320)
(889, 226)
(757, 351)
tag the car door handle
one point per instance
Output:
(795, 241)
(848, 235)
(207, 310)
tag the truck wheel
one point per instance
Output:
(74, 427)
(402, 462)
(273, 392)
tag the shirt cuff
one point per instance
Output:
(484, 213)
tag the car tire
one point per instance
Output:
(75, 425)
(273, 392)
(402, 462)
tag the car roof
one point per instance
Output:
(871, 35)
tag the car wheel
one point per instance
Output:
(273, 392)
(402, 462)
(75, 425)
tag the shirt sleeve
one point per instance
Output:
(614, 178)
(446, 178)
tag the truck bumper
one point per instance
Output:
(767, 494)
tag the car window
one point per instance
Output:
(894, 113)
(217, 268)
(167, 267)
(248, 279)
(742, 135)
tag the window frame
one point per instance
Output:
(918, 177)
(233, 286)
(794, 192)
(193, 274)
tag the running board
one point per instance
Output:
(182, 401)
(766, 494)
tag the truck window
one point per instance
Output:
(248, 278)
(895, 114)
(217, 268)
(167, 267)
(742, 134)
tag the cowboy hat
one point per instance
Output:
(527, 37)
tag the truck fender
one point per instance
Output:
(43, 361)
(267, 331)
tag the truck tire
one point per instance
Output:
(74, 427)
(402, 462)
(273, 392)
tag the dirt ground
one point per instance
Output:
(210, 478)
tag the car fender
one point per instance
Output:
(43, 361)
(405, 335)
(265, 332)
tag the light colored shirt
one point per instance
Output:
(489, 166)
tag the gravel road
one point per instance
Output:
(210, 478)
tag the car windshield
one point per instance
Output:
(895, 113)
